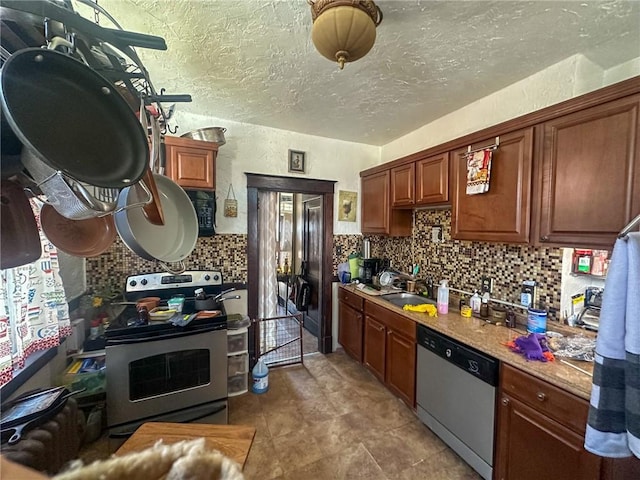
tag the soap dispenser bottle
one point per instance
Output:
(443, 298)
(475, 302)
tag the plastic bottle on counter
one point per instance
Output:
(200, 295)
(475, 302)
(143, 316)
(443, 298)
(484, 307)
(260, 375)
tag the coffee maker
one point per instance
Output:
(370, 268)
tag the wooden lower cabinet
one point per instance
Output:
(350, 323)
(400, 367)
(374, 347)
(540, 431)
(532, 446)
(390, 350)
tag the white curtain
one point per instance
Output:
(267, 224)
(34, 314)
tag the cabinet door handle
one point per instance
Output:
(505, 401)
(544, 238)
(541, 396)
(380, 328)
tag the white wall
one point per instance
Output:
(569, 78)
(257, 149)
(573, 284)
(620, 72)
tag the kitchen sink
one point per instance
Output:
(402, 299)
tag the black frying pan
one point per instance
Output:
(29, 411)
(73, 118)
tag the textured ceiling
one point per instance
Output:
(253, 61)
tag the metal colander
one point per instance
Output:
(70, 198)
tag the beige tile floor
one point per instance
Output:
(331, 419)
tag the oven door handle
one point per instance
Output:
(168, 336)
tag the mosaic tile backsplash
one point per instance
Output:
(227, 253)
(464, 263)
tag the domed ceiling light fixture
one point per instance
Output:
(344, 30)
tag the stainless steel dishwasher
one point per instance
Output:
(456, 395)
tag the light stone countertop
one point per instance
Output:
(490, 339)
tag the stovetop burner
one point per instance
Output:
(165, 285)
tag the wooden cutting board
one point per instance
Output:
(233, 441)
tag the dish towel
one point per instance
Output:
(422, 308)
(478, 171)
(613, 426)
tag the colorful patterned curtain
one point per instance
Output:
(34, 314)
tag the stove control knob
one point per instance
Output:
(144, 281)
(133, 283)
(207, 278)
(216, 277)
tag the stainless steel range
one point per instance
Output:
(161, 372)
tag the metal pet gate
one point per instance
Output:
(280, 339)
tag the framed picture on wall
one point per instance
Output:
(347, 206)
(296, 161)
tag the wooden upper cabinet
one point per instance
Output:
(377, 217)
(503, 213)
(432, 180)
(423, 182)
(191, 163)
(403, 185)
(590, 175)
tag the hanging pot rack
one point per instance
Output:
(125, 69)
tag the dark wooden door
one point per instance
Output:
(350, 330)
(400, 368)
(531, 446)
(591, 175)
(312, 256)
(503, 213)
(374, 346)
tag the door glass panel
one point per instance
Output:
(169, 372)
